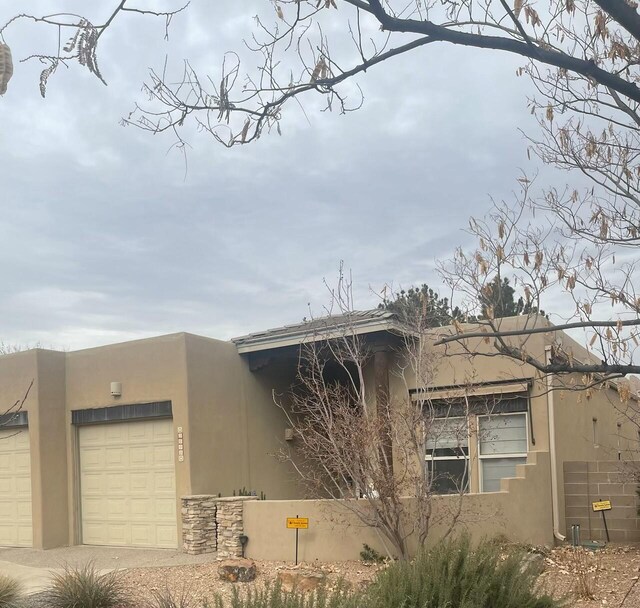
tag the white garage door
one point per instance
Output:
(127, 484)
(15, 489)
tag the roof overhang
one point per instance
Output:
(332, 328)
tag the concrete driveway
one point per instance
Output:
(34, 567)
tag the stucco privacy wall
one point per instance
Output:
(586, 482)
(521, 511)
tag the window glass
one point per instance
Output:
(448, 437)
(505, 434)
(450, 476)
(447, 446)
(495, 469)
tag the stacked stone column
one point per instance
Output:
(211, 524)
(199, 529)
(230, 526)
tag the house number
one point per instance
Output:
(180, 445)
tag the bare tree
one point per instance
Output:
(583, 59)
(373, 454)
(584, 271)
(76, 39)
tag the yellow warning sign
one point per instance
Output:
(601, 505)
(300, 523)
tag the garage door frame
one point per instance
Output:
(137, 412)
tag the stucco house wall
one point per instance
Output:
(223, 400)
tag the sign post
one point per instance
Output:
(602, 506)
(297, 523)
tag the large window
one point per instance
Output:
(448, 455)
(502, 440)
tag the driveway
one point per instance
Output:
(34, 567)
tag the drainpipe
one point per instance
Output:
(555, 504)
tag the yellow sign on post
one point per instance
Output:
(602, 505)
(298, 523)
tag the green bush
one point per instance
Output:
(11, 592)
(272, 596)
(456, 575)
(85, 587)
(370, 556)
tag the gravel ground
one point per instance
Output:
(201, 582)
(610, 576)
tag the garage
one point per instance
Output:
(127, 484)
(15, 488)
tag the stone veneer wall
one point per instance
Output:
(211, 524)
(199, 529)
(230, 525)
(587, 482)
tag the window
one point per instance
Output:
(502, 445)
(448, 455)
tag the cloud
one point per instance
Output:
(104, 239)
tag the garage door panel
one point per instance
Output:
(136, 490)
(141, 483)
(164, 484)
(165, 507)
(115, 483)
(167, 536)
(116, 457)
(94, 484)
(8, 510)
(15, 488)
(140, 456)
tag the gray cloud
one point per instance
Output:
(104, 239)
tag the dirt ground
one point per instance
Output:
(610, 576)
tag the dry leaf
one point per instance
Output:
(6, 67)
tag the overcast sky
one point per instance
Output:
(103, 238)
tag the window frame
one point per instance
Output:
(513, 455)
(466, 457)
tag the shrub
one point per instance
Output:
(166, 598)
(85, 587)
(272, 596)
(10, 592)
(370, 555)
(456, 575)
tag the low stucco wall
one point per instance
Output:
(521, 512)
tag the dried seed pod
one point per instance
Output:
(6, 67)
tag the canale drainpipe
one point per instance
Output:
(555, 503)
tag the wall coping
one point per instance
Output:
(217, 498)
(236, 498)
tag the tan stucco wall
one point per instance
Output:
(574, 415)
(45, 408)
(149, 370)
(49, 470)
(232, 428)
(521, 512)
(266, 424)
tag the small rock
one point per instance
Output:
(237, 570)
(300, 580)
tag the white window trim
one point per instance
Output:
(428, 458)
(496, 456)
